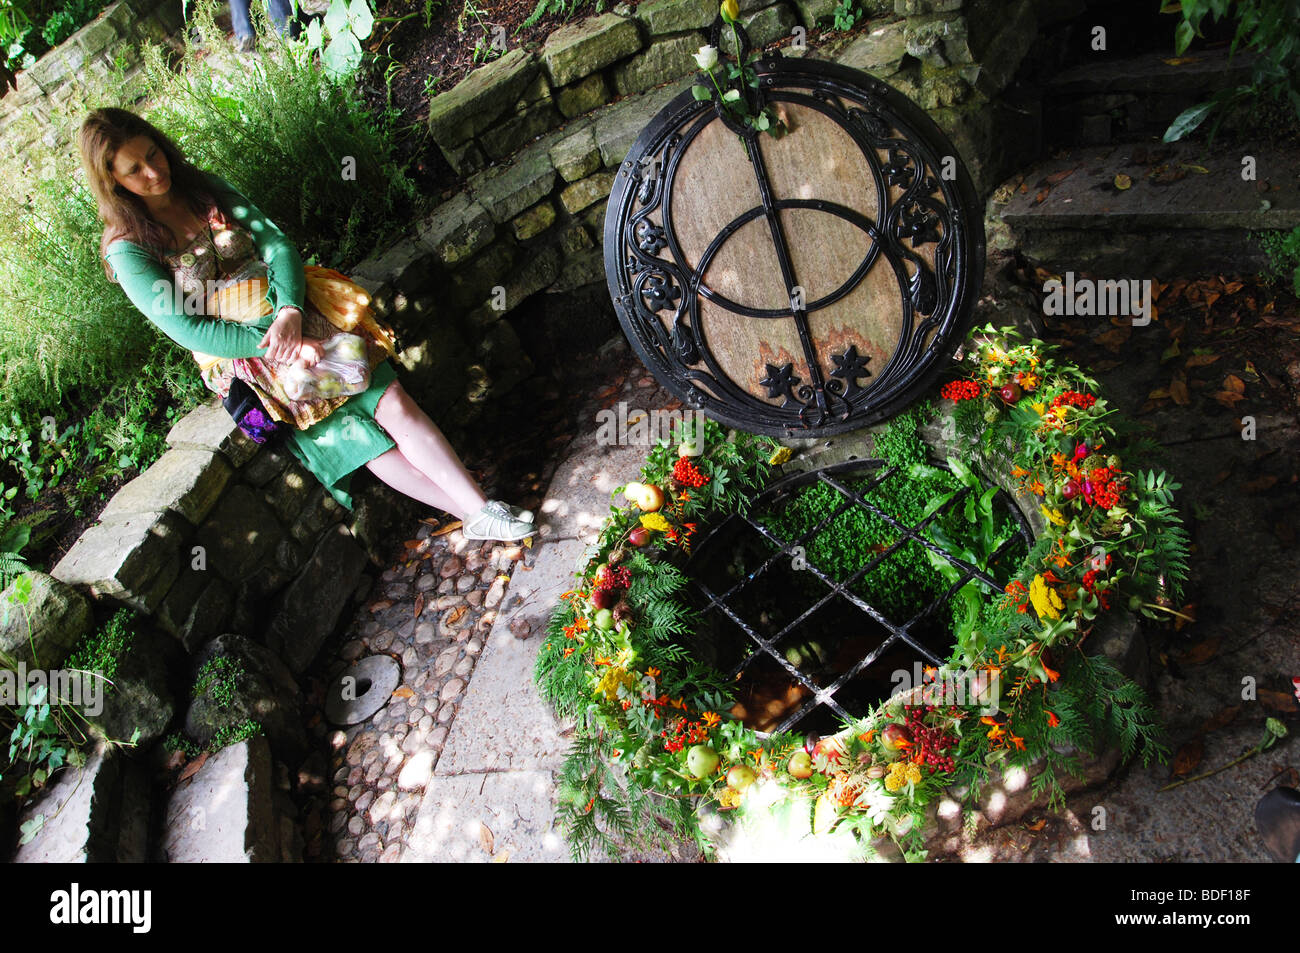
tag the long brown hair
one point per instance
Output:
(123, 213)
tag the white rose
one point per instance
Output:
(707, 57)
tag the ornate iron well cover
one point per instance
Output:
(804, 285)
(801, 286)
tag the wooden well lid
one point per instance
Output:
(801, 286)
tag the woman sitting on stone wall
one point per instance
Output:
(202, 263)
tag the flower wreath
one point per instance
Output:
(653, 738)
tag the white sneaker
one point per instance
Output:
(496, 521)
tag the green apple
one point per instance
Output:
(800, 765)
(605, 619)
(701, 761)
(741, 777)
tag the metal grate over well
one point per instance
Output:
(759, 619)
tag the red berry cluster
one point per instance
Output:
(684, 733)
(614, 577)
(1074, 399)
(1105, 489)
(928, 744)
(688, 474)
(960, 390)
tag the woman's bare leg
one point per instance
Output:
(395, 470)
(425, 448)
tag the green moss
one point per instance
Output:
(102, 650)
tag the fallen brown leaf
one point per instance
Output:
(1178, 391)
(456, 614)
(1042, 194)
(1228, 398)
(1201, 360)
(192, 768)
(1235, 384)
(1056, 178)
(1279, 702)
(1115, 339)
(403, 691)
(1188, 757)
(419, 604)
(1200, 652)
(1221, 719)
(485, 837)
(1260, 485)
(443, 531)
(379, 605)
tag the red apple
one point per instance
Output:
(639, 536)
(1010, 393)
(604, 598)
(895, 737)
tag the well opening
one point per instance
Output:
(839, 579)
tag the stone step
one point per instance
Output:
(227, 812)
(98, 813)
(1187, 211)
(1095, 103)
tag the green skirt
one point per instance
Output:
(347, 439)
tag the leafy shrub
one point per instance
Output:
(1283, 250)
(1268, 28)
(29, 28)
(305, 149)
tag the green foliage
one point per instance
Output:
(30, 28)
(219, 680)
(847, 14)
(303, 147)
(62, 323)
(1270, 29)
(337, 38)
(563, 9)
(1161, 536)
(1283, 250)
(101, 651)
(44, 737)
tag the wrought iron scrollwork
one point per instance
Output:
(919, 219)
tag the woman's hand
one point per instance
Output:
(284, 338)
(310, 352)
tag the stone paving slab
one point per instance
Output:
(506, 743)
(495, 816)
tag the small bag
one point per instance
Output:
(343, 370)
(244, 406)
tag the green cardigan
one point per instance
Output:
(139, 273)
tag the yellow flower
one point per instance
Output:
(729, 798)
(781, 455)
(913, 774)
(1047, 603)
(711, 719)
(1040, 407)
(1054, 515)
(655, 521)
(899, 775)
(730, 10)
(612, 679)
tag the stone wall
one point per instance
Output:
(539, 135)
(226, 550)
(32, 111)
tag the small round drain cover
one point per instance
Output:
(362, 690)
